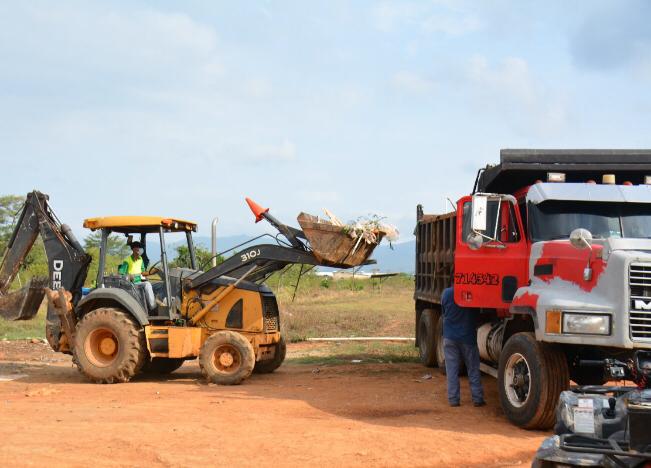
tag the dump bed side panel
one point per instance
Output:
(435, 243)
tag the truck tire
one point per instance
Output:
(270, 365)
(162, 366)
(427, 341)
(440, 355)
(109, 346)
(226, 358)
(531, 376)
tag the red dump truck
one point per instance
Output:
(554, 249)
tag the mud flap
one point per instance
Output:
(24, 303)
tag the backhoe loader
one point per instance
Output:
(225, 316)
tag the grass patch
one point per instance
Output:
(337, 311)
(23, 329)
(346, 353)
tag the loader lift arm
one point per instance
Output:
(67, 263)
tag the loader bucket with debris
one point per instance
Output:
(333, 246)
(24, 303)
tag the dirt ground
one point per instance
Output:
(343, 415)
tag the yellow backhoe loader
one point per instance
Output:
(226, 317)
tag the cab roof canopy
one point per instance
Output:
(520, 168)
(141, 224)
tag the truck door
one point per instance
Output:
(491, 253)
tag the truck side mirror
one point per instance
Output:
(581, 238)
(479, 206)
(474, 241)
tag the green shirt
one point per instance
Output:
(131, 266)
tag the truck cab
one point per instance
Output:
(553, 248)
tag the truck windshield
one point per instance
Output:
(557, 219)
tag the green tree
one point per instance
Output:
(202, 255)
(10, 208)
(116, 245)
(35, 262)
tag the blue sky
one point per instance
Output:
(184, 108)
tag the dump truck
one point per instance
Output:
(225, 316)
(553, 247)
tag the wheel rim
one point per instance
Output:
(101, 347)
(227, 359)
(517, 380)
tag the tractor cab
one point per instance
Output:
(154, 233)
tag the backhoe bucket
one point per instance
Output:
(24, 303)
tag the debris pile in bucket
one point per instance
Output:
(346, 245)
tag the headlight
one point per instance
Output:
(586, 324)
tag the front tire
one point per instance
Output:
(109, 346)
(226, 358)
(270, 365)
(531, 377)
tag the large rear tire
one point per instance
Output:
(531, 377)
(109, 346)
(270, 365)
(226, 358)
(427, 337)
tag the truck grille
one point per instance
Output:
(640, 301)
(270, 314)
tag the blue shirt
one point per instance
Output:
(459, 323)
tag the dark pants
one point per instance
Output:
(455, 353)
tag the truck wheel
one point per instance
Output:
(440, 355)
(226, 358)
(109, 346)
(427, 341)
(162, 365)
(270, 365)
(531, 377)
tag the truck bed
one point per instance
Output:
(435, 244)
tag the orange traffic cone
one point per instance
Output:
(258, 211)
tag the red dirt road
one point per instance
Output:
(352, 415)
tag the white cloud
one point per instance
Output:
(511, 88)
(412, 82)
(448, 18)
(257, 88)
(285, 151)
(451, 25)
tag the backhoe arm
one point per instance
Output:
(67, 261)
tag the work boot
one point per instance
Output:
(455, 403)
(479, 403)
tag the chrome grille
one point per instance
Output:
(270, 313)
(639, 280)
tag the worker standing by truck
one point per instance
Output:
(460, 345)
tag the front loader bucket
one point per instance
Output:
(24, 303)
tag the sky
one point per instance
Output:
(184, 108)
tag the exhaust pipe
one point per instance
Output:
(213, 242)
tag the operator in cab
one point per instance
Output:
(135, 269)
(460, 346)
